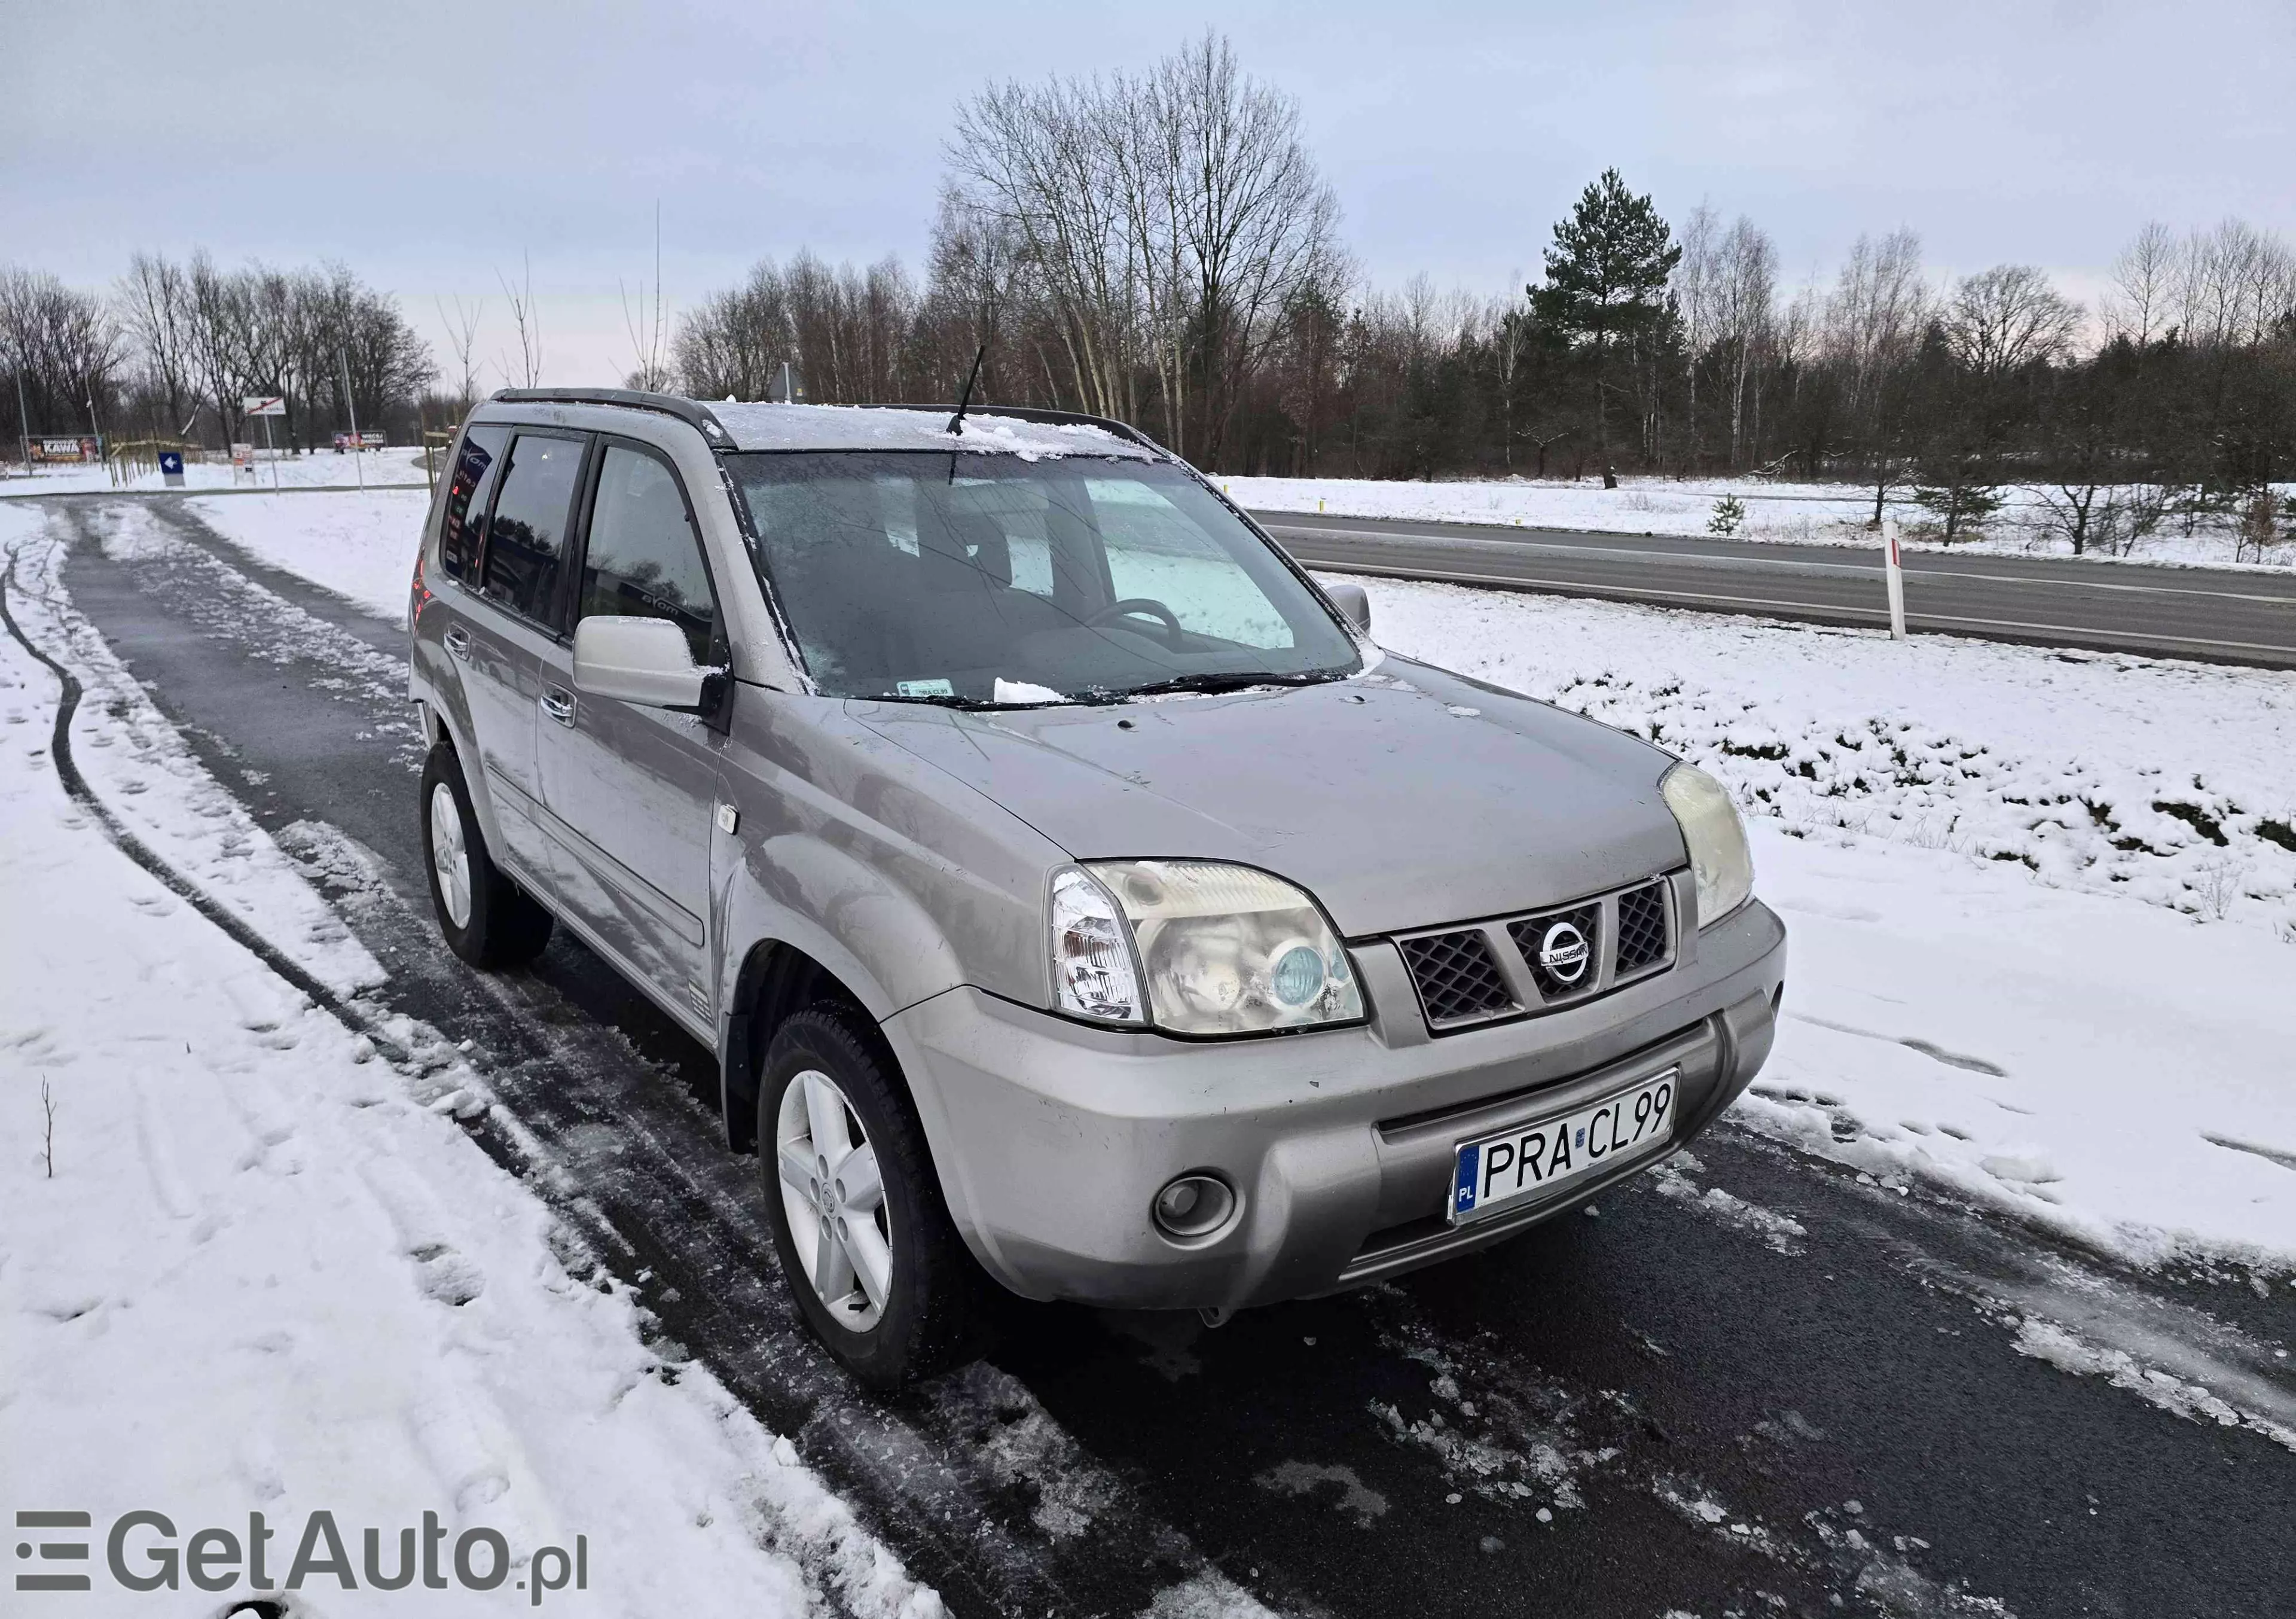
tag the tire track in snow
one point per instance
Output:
(608, 1133)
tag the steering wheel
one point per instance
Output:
(1146, 606)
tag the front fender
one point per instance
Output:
(800, 891)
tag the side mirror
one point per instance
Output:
(642, 660)
(1351, 600)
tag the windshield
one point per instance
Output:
(985, 579)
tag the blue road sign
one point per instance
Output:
(171, 463)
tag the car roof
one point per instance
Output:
(733, 425)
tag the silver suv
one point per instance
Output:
(1072, 893)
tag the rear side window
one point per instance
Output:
(467, 492)
(643, 558)
(526, 542)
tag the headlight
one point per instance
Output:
(1719, 856)
(1223, 950)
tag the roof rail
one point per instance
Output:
(688, 411)
(697, 414)
(1051, 418)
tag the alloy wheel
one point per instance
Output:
(835, 1200)
(450, 856)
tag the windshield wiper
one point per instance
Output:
(1210, 683)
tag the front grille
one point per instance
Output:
(1456, 977)
(1547, 943)
(1469, 974)
(1641, 926)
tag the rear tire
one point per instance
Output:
(487, 919)
(865, 1242)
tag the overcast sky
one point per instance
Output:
(431, 146)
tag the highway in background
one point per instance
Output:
(2220, 615)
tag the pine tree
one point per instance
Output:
(1606, 280)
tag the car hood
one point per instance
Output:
(1405, 798)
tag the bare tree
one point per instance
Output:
(1744, 293)
(526, 322)
(1168, 222)
(1036, 159)
(154, 299)
(2008, 317)
(1872, 328)
(649, 328)
(461, 343)
(2145, 276)
(1696, 279)
(65, 347)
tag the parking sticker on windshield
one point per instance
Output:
(924, 688)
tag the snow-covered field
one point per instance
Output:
(380, 468)
(1804, 514)
(360, 546)
(2042, 904)
(249, 1259)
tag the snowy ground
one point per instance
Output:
(360, 546)
(380, 468)
(1804, 514)
(253, 1260)
(2042, 904)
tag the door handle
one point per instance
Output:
(458, 643)
(559, 704)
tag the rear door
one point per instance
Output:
(518, 617)
(462, 538)
(629, 792)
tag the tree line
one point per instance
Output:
(176, 347)
(1161, 248)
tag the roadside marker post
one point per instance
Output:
(1896, 574)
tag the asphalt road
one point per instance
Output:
(2220, 615)
(1758, 1387)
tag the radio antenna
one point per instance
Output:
(956, 422)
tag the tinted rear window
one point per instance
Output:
(526, 541)
(468, 489)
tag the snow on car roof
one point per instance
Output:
(868, 427)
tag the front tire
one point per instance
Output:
(487, 919)
(864, 1239)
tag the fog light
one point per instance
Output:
(1192, 1205)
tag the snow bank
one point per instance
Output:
(360, 546)
(270, 1272)
(401, 467)
(1987, 987)
(1802, 513)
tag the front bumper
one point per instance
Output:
(1053, 1137)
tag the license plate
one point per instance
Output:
(1530, 1159)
